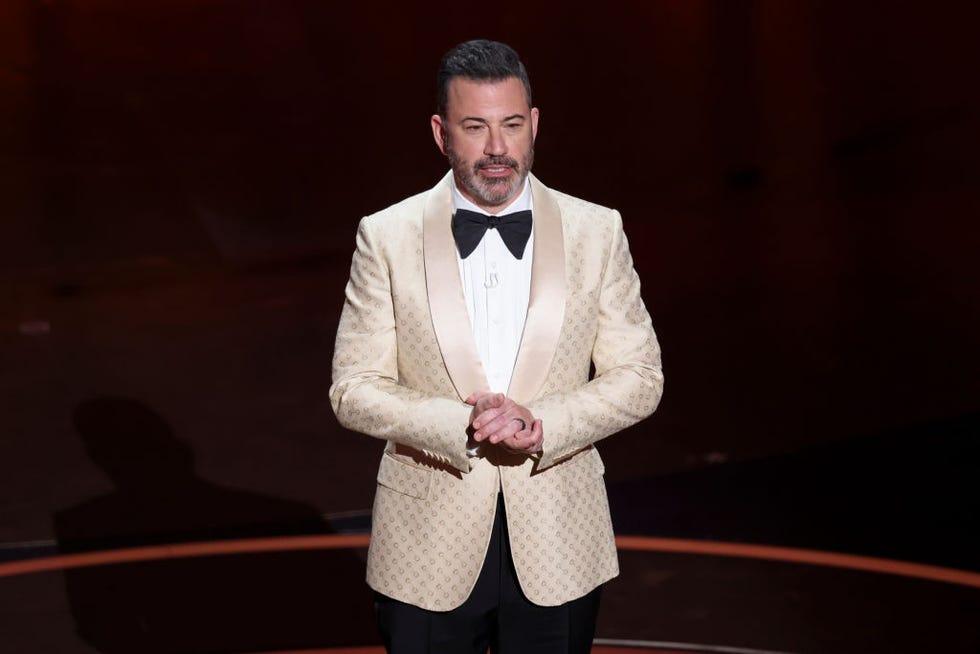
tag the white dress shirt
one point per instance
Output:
(497, 286)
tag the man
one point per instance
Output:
(471, 357)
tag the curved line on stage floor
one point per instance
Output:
(602, 646)
(634, 543)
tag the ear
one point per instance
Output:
(439, 132)
(534, 123)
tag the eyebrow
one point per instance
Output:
(487, 122)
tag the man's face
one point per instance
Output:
(488, 136)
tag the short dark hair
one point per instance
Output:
(479, 59)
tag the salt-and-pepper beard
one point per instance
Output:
(488, 191)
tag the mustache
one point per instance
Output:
(493, 162)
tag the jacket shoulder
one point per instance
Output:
(571, 202)
(586, 220)
(398, 214)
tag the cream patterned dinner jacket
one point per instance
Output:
(405, 358)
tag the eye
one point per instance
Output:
(473, 128)
(514, 126)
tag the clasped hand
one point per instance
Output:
(498, 419)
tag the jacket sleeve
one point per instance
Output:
(366, 395)
(628, 381)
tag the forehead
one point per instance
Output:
(469, 98)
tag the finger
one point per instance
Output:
(528, 440)
(491, 428)
(537, 435)
(488, 408)
(500, 422)
(474, 397)
(488, 422)
(509, 430)
(521, 443)
(489, 401)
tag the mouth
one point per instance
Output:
(495, 171)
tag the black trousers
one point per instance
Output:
(496, 615)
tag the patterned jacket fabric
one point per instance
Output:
(405, 359)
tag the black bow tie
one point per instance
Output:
(470, 226)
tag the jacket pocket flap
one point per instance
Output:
(404, 478)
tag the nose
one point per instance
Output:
(495, 145)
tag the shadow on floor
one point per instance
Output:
(249, 602)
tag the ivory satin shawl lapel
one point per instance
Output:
(546, 307)
(447, 303)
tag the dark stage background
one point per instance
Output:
(180, 183)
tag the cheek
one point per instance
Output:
(468, 151)
(524, 145)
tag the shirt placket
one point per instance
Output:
(494, 310)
